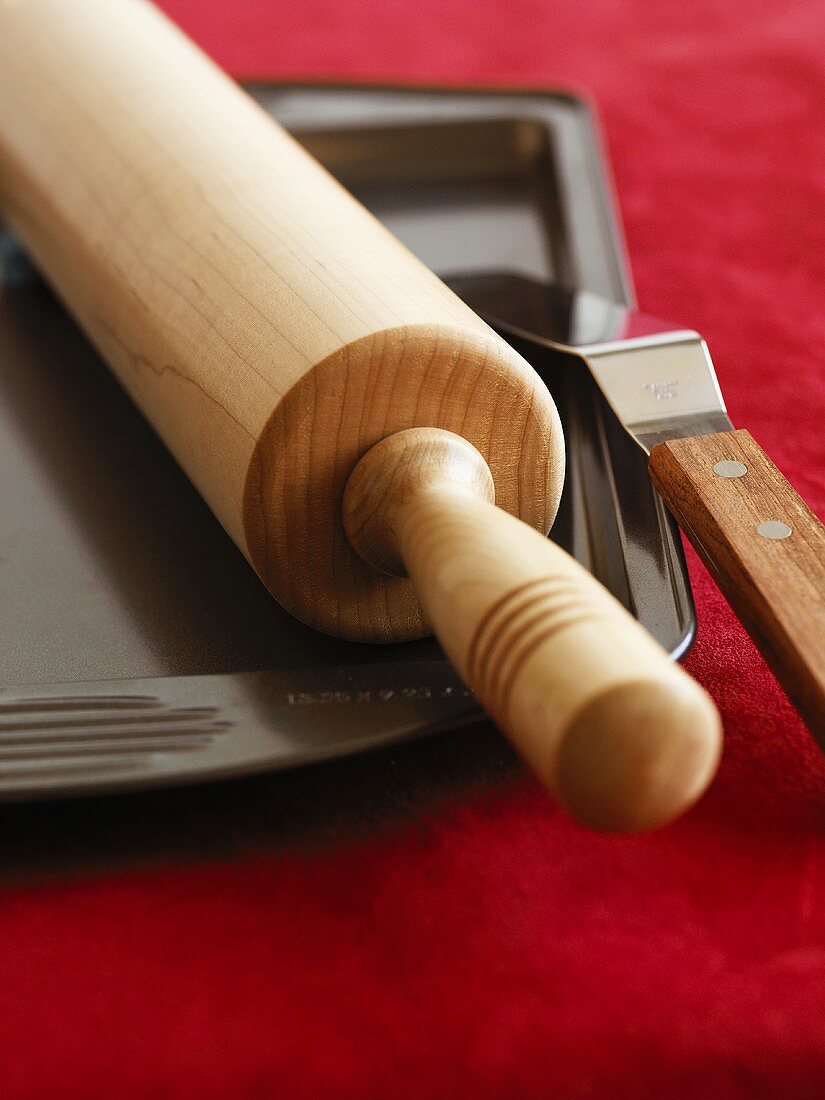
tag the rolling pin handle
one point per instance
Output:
(623, 737)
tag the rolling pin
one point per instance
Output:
(387, 464)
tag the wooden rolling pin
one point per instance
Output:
(347, 418)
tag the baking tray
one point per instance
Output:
(137, 648)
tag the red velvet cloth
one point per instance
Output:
(425, 923)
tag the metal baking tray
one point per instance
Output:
(137, 648)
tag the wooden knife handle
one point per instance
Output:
(622, 736)
(763, 545)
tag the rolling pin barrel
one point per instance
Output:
(348, 419)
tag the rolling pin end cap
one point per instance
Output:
(639, 754)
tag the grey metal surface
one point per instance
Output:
(472, 174)
(658, 378)
(137, 648)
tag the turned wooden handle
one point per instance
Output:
(763, 545)
(622, 736)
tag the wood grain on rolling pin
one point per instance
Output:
(268, 326)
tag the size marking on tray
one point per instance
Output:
(373, 695)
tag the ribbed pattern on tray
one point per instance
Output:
(93, 733)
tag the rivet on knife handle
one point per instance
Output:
(764, 547)
(622, 736)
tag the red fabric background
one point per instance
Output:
(424, 922)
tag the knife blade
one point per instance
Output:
(761, 542)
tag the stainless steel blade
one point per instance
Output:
(657, 378)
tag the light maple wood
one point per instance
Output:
(274, 333)
(624, 738)
(267, 325)
(776, 586)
